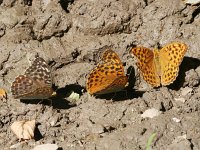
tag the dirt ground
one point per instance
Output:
(69, 35)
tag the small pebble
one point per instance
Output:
(181, 99)
(193, 2)
(74, 96)
(97, 128)
(46, 147)
(150, 113)
(176, 120)
(185, 91)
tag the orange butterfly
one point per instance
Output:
(108, 76)
(160, 67)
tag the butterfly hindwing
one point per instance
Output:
(117, 85)
(22, 85)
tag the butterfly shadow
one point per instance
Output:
(187, 64)
(37, 134)
(131, 92)
(128, 93)
(56, 102)
(59, 100)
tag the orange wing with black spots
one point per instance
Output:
(107, 77)
(110, 56)
(146, 65)
(171, 57)
(160, 67)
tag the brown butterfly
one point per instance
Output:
(36, 83)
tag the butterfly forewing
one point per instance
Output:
(102, 77)
(110, 56)
(39, 70)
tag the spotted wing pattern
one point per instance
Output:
(146, 65)
(36, 83)
(108, 76)
(160, 67)
(171, 57)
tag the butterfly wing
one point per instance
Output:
(25, 87)
(171, 57)
(21, 86)
(104, 78)
(113, 61)
(146, 65)
(107, 77)
(39, 70)
(110, 56)
(117, 85)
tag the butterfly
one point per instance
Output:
(36, 83)
(108, 76)
(160, 67)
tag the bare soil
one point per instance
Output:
(69, 35)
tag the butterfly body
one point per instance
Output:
(157, 62)
(160, 67)
(108, 76)
(36, 83)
